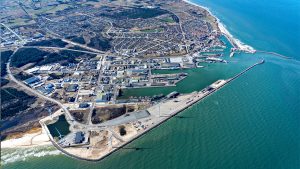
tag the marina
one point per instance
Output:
(159, 113)
(150, 84)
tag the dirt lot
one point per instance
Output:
(103, 114)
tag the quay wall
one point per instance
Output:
(159, 123)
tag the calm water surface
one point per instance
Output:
(251, 123)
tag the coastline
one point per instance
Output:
(41, 138)
(235, 42)
(223, 131)
(170, 110)
(28, 140)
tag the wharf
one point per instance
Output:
(169, 107)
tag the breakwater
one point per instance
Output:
(274, 53)
(200, 96)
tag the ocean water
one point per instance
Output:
(198, 78)
(253, 123)
(263, 24)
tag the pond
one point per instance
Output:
(60, 127)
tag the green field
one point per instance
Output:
(152, 30)
(168, 20)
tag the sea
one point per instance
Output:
(251, 123)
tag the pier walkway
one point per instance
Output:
(244, 71)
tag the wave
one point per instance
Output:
(224, 31)
(23, 154)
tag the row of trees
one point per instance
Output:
(39, 57)
(14, 101)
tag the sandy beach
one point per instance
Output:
(28, 140)
(240, 45)
(37, 137)
(41, 138)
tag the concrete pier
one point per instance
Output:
(161, 112)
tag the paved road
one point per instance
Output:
(89, 119)
(55, 35)
(13, 32)
(36, 93)
(49, 47)
(83, 46)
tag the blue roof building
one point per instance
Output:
(79, 137)
(32, 80)
(48, 86)
(84, 105)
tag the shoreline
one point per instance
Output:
(41, 138)
(188, 99)
(28, 140)
(234, 41)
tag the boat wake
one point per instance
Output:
(23, 154)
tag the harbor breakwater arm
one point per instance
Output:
(196, 98)
(246, 70)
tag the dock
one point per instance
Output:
(160, 113)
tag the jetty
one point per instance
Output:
(274, 53)
(246, 70)
(159, 113)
